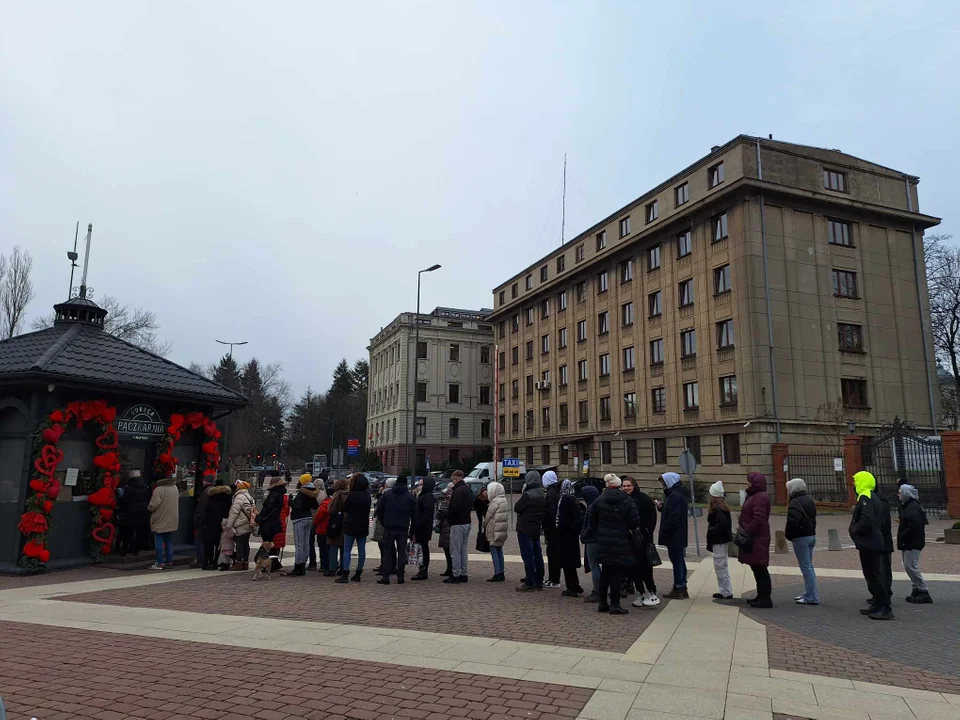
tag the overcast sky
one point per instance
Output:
(278, 172)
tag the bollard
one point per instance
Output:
(780, 547)
(833, 542)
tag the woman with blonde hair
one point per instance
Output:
(719, 535)
(240, 522)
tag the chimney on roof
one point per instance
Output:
(770, 136)
(714, 148)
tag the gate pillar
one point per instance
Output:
(852, 463)
(951, 471)
(779, 451)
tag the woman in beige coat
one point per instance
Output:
(164, 511)
(240, 520)
(495, 527)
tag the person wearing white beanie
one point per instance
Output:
(719, 535)
(611, 480)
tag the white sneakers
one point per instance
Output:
(155, 566)
(646, 600)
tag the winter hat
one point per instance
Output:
(533, 477)
(242, 485)
(716, 490)
(796, 485)
(402, 480)
(670, 479)
(207, 482)
(549, 478)
(276, 481)
(306, 478)
(589, 493)
(612, 481)
(135, 474)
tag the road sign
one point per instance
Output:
(511, 467)
(353, 446)
(688, 463)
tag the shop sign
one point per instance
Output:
(141, 422)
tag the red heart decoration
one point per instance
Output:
(47, 506)
(52, 434)
(106, 514)
(108, 440)
(104, 534)
(108, 415)
(103, 496)
(111, 481)
(53, 489)
(105, 548)
(49, 458)
(209, 447)
(57, 416)
(44, 556)
(105, 461)
(33, 549)
(38, 485)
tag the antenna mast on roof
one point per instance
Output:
(86, 263)
(563, 203)
(72, 257)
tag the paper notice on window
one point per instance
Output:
(838, 464)
(71, 478)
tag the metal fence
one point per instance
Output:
(900, 455)
(818, 469)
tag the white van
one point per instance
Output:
(482, 471)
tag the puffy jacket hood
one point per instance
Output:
(495, 490)
(309, 492)
(756, 482)
(549, 478)
(589, 493)
(166, 481)
(908, 492)
(399, 489)
(670, 479)
(361, 483)
(219, 490)
(795, 486)
(428, 485)
(864, 483)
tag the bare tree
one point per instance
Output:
(832, 421)
(16, 290)
(135, 325)
(943, 285)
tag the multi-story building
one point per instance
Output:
(452, 390)
(765, 292)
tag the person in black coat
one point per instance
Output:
(216, 510)
(423, 532)
(133, 518)
(458, 515)
(612, 518)
(567, 524)
(911, 539)
(642, 574)
(673, 530)
(551, 487)
(530, 509)
(397, 512)
(268, 519)
(356, 525)
(801, 530)
(867, 532)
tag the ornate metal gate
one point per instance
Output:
(818, 469)
(899, 453)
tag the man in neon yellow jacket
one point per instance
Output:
(870, 515)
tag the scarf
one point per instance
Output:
(566, 490)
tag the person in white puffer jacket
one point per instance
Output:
(495, 527)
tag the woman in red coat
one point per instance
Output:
(755, 523)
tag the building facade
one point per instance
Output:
(452, 388)
(770, 291)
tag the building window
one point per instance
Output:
(581, 288)
(605, 365)
(719, 225)
(605, 454)
(564, 455)
(454, 427)
(684, 244)
(545, 378)
(725, 335)
(545, 418)
(625, 226)
(630, 405)
(485, 354)
(658, 400)
(561, 263)
(564, 415)
(562, 343)
(578, 253)
(839, 233)
(583, 412)
(531, 316)
(562, 301)
(688, 344)
(854, 393)
(715, 175)
(515, 323)
(514, 355)
(502, 392)
(513, 291)
(484, 394)
(454, 352)
(515, 388)
(631, 448)
(529, 383)
(581, 370)
(721, 280)
(686, 293)
(454, 455)
(515, 423)
(544, 274)
(850, 337)
(605, 408)
(653, 258)
(544, 344)
(421, 351)
(659, 451)
(528, 282)
(730, 449)
(545, 453)
(834, 180)
(845, 284)
(626, 271)
(453, 394)
(653, 211)
(502, 360)
(581, 330)
(656, 352)
(421, 392)
(530, 455)
(502, 329)
(728, 391)
(603, 323)
(602, 283)
(682, 194)
(528, 417)
(421, 427)
(626, 314)
(653, 301)
(563, 376)
(692, 443)
(628, 361)
(544, 309)
(691, 396)
(502, 298)
(601, 240)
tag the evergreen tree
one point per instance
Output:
(342, 379)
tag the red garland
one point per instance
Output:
(209, 462)
(45, 488)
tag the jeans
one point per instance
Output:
(301, 540)
(348, 541)
(679, 561)
(532, 556)
(803, 549)
(591, 550)
(394, 558)
(722, 569)
(611, 576)
(459, 544)
(164, 542)
(497, 554)
(911, 566)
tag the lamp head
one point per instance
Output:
(431, 268)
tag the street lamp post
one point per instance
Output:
(231, 344)
(416, 344)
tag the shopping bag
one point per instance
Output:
(414, 553)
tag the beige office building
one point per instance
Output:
(769, 287)
(453, 389)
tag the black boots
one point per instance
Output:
(497, 578)
(344, 576)
(920, 598)
(298, 571)
(884, 613)
(385, 580)
(422, 575)
(400, 579)
(356, 576)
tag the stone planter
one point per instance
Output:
(951, 536)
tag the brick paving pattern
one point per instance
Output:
(58, 673)
(834, 639)
(479, 608)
